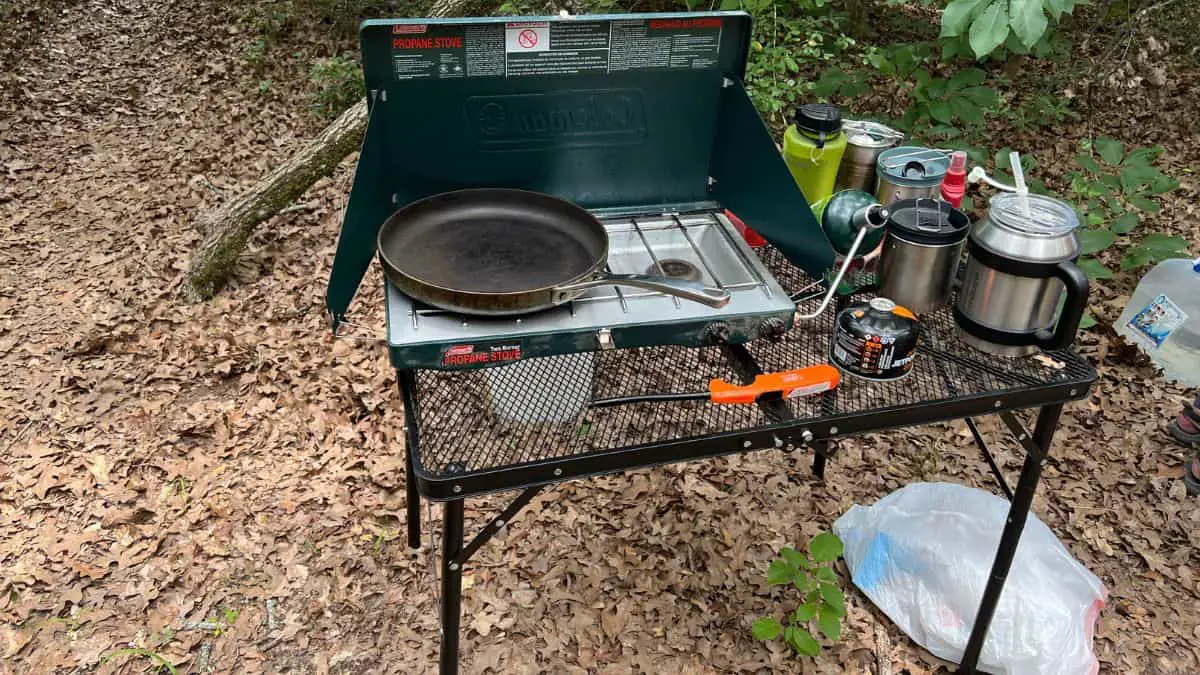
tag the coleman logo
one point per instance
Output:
(408, 28)
(459, 350)
(522, 121)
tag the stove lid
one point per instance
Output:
(600, 110)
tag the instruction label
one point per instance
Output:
(519, 49)
(422, 52)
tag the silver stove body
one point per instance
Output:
(702, 243)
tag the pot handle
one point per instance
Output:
(1076, 282)
(690, 290)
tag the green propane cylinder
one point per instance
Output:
(840, 217)
(813, 149)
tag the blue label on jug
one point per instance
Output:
(1156, 321)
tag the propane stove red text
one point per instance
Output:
(427, 43)
(466, 355)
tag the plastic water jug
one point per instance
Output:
(1163, 318)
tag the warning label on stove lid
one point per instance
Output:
(517, 49)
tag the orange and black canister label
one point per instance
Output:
(875, 340)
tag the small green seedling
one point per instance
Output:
(813, 576)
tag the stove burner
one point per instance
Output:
(675, 269)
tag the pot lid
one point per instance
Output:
(1035, 215)
(927, 221)
(913, 166)
(868, 134)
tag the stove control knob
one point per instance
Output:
(773, 328)
(717, 333)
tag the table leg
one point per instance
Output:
(451, 609)
(820, 448)
(1018, 511)
(412, 502)
(412, 438)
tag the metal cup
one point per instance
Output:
(864, 141)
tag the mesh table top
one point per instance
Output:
(494, 429)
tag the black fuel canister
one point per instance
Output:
(875, 340)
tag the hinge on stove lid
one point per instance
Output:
(339, 323)
(604, 337)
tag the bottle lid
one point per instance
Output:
(958, 164)
(1032, 214)
(824, 119)
(931, 222)
(882, 304)
(1196, 265)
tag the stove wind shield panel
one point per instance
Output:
(639, 113)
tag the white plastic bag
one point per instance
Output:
(923, 554)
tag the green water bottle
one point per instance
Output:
(813, 149)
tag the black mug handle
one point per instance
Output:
(1076, 282)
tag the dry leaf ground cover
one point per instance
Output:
(221, 484)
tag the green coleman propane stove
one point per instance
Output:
(644, 120)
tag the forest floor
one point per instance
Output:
(221, 484)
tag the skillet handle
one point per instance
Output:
(689, 290)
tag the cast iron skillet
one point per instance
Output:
(494, 252)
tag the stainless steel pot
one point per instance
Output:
(1021, 262)
(921, 251)
(865, 140)
(909, 172)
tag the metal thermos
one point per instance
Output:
(909, 172)
(864, 141)
(1021, 258)
(921, 251)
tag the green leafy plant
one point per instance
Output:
(256, 54)
(812, 574)
(337, 84)
(837, 83)
(936, 104)
(1112, 189)
(985, 26)
(788, 35)
(228, 617)
(1040, 112)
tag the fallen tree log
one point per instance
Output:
(228, 227)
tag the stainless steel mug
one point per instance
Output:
(1021, 260)
(921, 250)
(864, 141)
